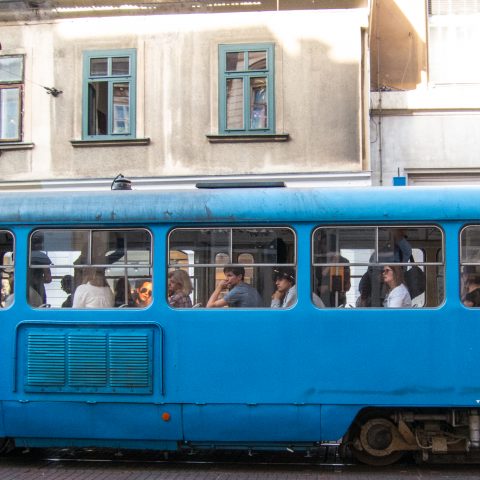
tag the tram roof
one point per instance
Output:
(237, 205)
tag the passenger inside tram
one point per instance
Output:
(285, 294)
(94, 291)
(179, 289)
(240, 294)
(142, 297)
(397, 292)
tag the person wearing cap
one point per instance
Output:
(286, 293)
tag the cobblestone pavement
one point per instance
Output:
(70, 465)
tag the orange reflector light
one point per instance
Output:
(165, 416)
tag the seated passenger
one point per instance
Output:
(123, 296)
(397, 292)
(143, 294)
(9, 298)
(38, 277)
(240, 295)
(286, 293)
(179, 289)
(94, 292)
(67, 283)
(472, 299)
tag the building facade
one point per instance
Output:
(425, 81)
(171, 92)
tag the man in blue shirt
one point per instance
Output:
(240, 294)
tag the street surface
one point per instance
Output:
(111, 465)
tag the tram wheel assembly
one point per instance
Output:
(373, 440)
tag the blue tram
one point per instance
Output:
(337, 363)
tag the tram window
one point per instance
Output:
(470, 266)
(351, 266)
(6, 268)
(253, 253)
(85, 268)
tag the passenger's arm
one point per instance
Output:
(213, 301)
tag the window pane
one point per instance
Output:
(98, 67)
(121, 108)
(243, 249)
(258, 103)
(330, 242)
(9, 113)
(234, 104)
(470, 245)
(74, 282)
(120, 66)
(235, 61)
(364, 283)
(6, 268)
(270, 246)
(98, 108)
(11, 69)
(200, 245)
(257, 60)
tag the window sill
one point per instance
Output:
(282, 137)
(130, 142)
(15, 146)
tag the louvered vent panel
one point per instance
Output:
(129, 361)
(45, 360)
(87, 360)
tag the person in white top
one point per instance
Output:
(286, 293)
(94, 291)
(397, 296)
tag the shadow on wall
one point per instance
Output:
(398, 54)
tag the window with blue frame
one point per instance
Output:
(246, 89)
(109, 94)
(11, 94)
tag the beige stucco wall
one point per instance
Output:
(318, 94)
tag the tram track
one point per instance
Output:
(324, 456)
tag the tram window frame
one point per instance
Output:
(7, 272)
(205, 275)
(432, 269)
(469, 270)
(83, 242)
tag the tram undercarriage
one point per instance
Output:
(382, 437)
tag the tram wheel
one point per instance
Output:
(371, 439)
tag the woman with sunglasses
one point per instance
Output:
(143, 294)
(397, 295)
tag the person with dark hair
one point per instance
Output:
(472, 299)
(67, 283)
(143, 293)
(38, 277)
(239, 295)
(285, 294)
(397, 295)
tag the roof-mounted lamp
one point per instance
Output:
(121, 183)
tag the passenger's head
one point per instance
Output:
(284, 278)
(66, 283)
(144, 293)
(233, 275)
(472, 299)
(179, 282)
(392, 275)
(95, 276)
